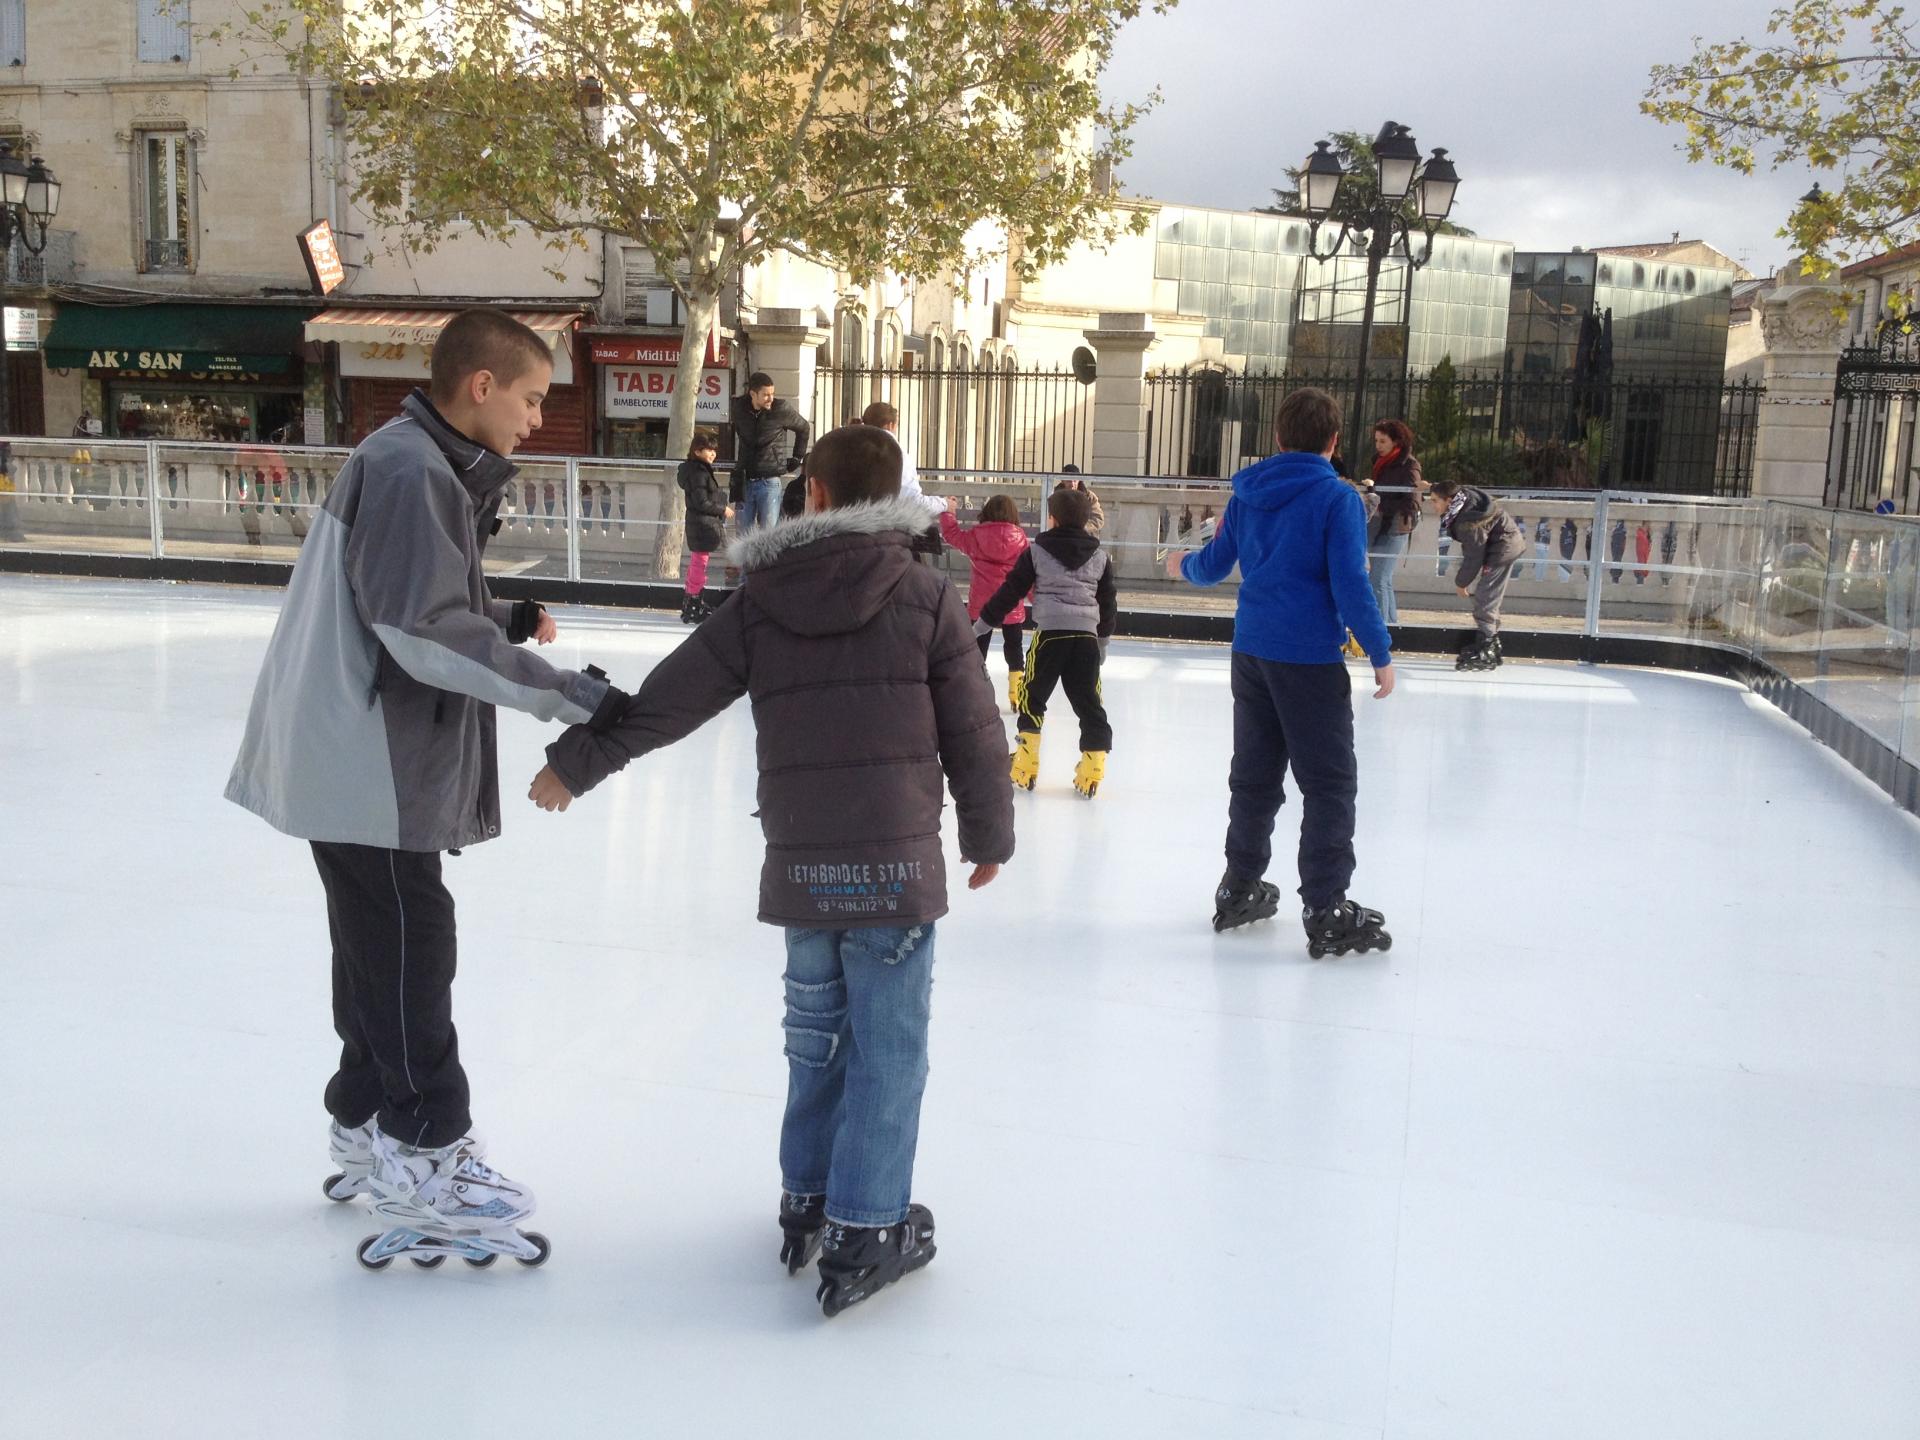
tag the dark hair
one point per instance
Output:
(703, 440)
(1309, 419)
(1448, 484)
(759, 380)
(1071, 508)
(880, 413)
(856, 463)
(1397, 431)
(481, 339)
(1000, 510)
(793, 499)
(1069, 469)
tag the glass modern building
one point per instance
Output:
(1250, 278)
(1668, 319)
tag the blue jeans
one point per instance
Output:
(762, 505)
(1381, 558)
(858, 1002)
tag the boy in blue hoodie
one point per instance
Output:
(1299, 534)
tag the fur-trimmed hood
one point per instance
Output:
(760, 548)
(831, 571)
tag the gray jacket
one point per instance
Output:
(1071, 578)
(372, 721)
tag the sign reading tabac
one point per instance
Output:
(322, 254)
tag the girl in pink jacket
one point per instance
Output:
(993, 546)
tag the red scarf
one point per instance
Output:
(1381, 462)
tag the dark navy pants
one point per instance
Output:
(1298, 716)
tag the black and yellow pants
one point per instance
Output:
(1070, 658)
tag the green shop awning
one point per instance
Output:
(178, 339)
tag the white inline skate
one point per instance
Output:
(445, 1202)
(352, 1152)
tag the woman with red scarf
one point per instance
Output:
(1396, 478)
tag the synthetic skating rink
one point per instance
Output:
(1620, 1140)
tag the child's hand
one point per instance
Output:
(1174, 557)
(729, 514)
(1463, 591)
(982, 875)
(546, 630)
(548, 792)
(953, 504)
(1383, 677)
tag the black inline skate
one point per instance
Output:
(1342, 927)
(1240, 901)
(860, 1259)
(1481, 653)
(803, 1220)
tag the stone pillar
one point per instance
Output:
(1802, 328)
(786, 344)
(1120, 344)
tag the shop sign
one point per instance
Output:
(23, 328)
(645, 392)
(653, 350)
(184, 364)
(322, 254)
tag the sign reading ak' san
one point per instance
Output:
(137, 360)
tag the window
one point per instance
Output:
(13, 33)
(163, 30)
(166, 182)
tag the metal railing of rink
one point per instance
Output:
(1814, 607)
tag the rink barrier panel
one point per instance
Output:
(1812, 609)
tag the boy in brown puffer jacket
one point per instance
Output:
(866, 685)
(1491, 544)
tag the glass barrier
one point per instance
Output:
(1827, 598)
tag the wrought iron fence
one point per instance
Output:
(1017, 421)
(1679, 435)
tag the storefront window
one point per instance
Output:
(143, 412)
(637, 439)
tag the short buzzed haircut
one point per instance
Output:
(855, 463)
(1071, 509)
(481, 339)
(1309, 419)
(880, 413)
(759, 380)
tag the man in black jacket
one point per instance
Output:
(763, 451)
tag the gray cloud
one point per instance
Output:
(1538, 104)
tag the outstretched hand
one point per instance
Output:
(982, 875)
(548, 792)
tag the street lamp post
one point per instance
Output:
(1400, 173)
(29, 199)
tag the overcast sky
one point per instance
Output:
(1538, 103)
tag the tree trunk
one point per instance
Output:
(680, 423)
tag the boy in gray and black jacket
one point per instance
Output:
(371, 736)
(1074, 608)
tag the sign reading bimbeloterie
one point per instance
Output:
(640, 373)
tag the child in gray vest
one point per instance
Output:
(1073, 608)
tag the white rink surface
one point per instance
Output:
(1621, 1139)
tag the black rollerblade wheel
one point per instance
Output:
(1316, 951)
(429, 1262)
(539, 1242)
(361, 1254)
(483, 1262)
(326, 1189)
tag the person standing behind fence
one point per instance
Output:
(1397, 484)
(769, 442)
(707, 515)
(1096, 512)
(1490, 546)
(928, 543)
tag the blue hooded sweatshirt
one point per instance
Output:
(1299, 533)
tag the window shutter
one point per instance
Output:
(163, 30)
(13, 32)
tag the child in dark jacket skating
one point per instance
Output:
(1074, 609)
(994, 546)
(1298, 533)
(1490, 546)
(707, 515)
(866, 689)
